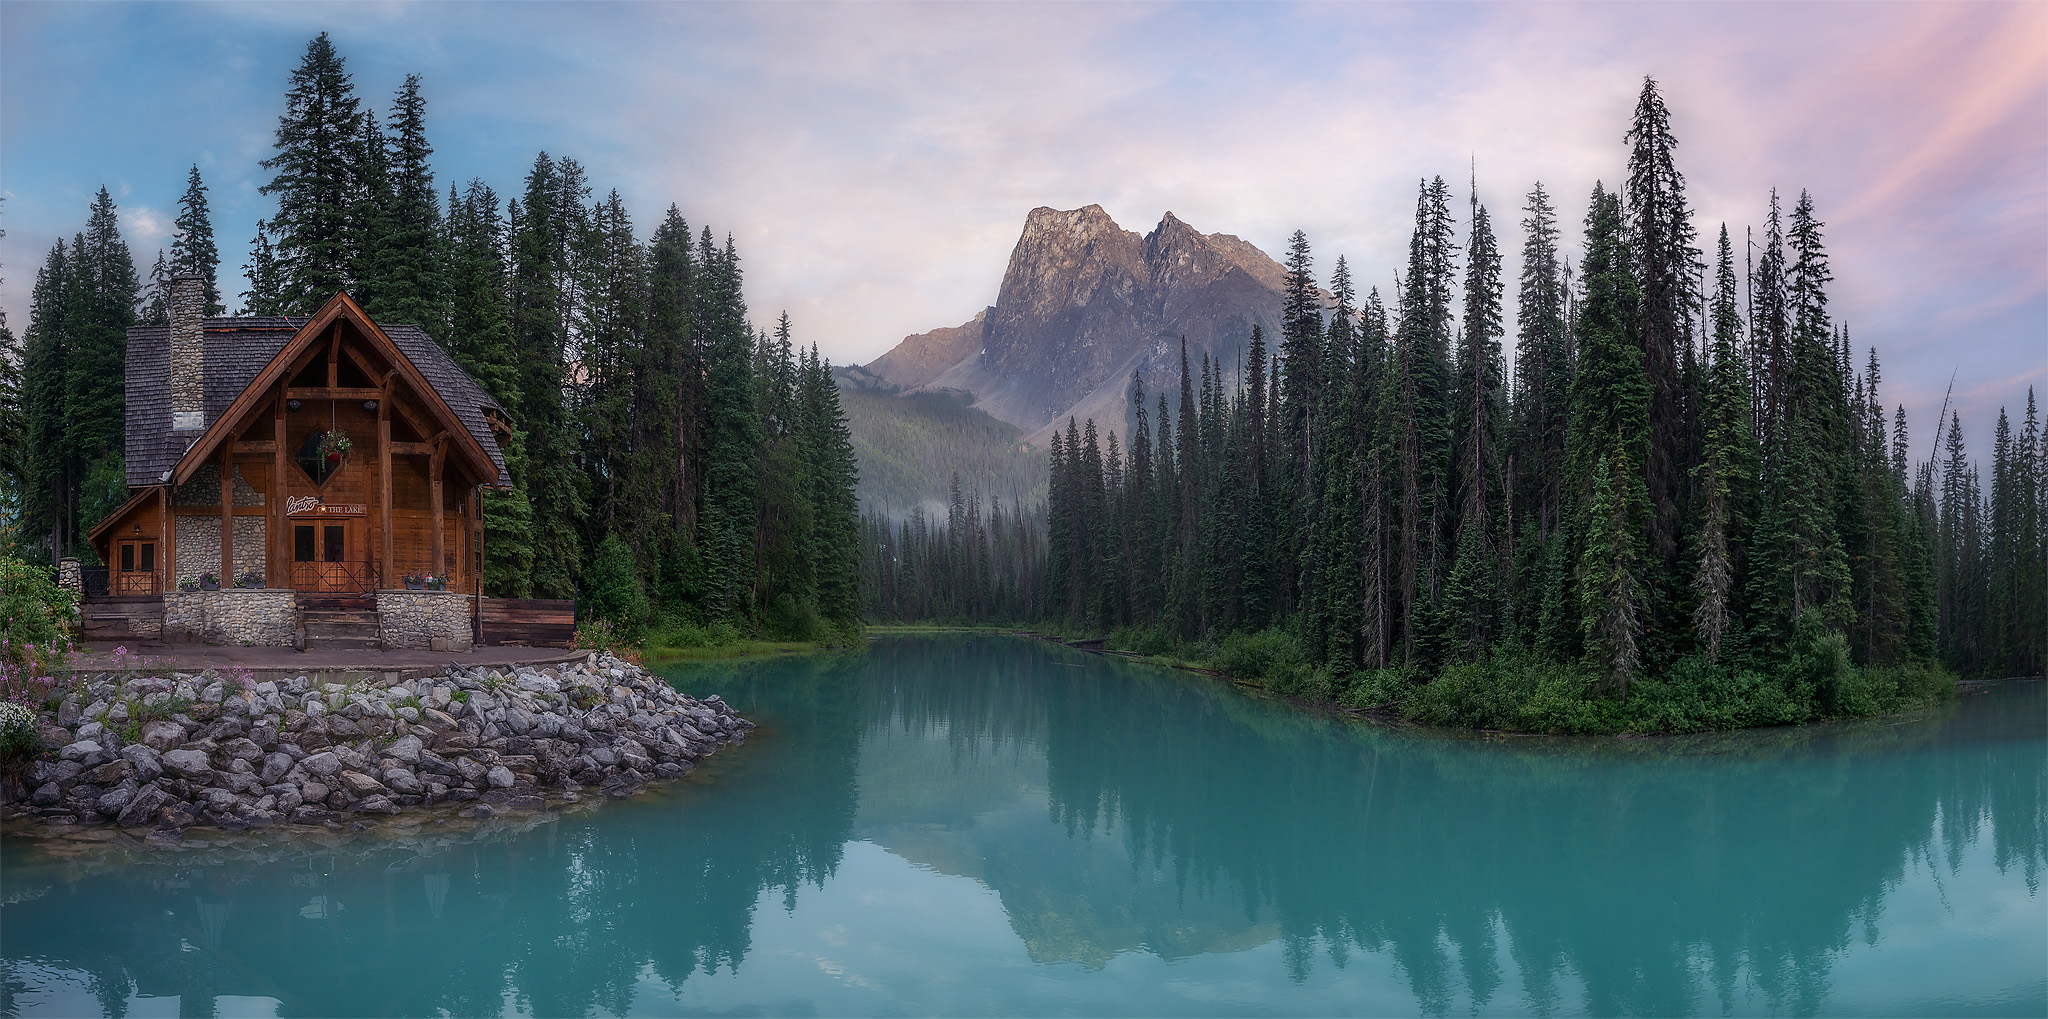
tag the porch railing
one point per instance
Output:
(358, 578)
(105, 582)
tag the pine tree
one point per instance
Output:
(834, 473)
(541, 233)
(1422, 413)
(1474, 594)
(732, 436)
(46, 497)
(667, 399)
(1727, 468)
(266, 277)
(406, 277)
(320, 174)
(607, 322)
(1815, 426)
(1660, 235)
(192, 249)
(156, 294)
(1609, 436)
(99, 310)
(1542, 367)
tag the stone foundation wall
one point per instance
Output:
(266, 618)
(417, 619)
(199, 546)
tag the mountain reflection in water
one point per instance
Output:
(961, 823)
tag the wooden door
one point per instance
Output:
(135, 568)
(328, 555)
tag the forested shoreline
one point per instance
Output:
(1686, 507)
(674, 469)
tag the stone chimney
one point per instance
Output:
(188, 354)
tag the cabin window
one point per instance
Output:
(317, 466)
(302, 543)
(334, 543)
(127, 559)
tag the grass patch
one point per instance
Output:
(727, 652)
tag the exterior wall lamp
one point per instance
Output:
(370, 405)
(292, 405)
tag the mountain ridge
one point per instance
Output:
(1083, 306)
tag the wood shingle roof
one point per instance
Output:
(237, 349)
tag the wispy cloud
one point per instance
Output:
(874, 162)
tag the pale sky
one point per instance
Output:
(874, 163)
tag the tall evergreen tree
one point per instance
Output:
(192, 249)
(406, 278)
(1610, 435)
(320, 171)
(542, 231)
(1423, 414)
(1727, 468)
(732, 435)
(1661, 235)
(1473, 597)
(46, 497)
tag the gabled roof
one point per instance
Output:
(237, 351)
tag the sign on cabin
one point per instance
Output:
(301, 505)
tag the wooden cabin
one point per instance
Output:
(328, 454)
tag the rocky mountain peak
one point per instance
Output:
(1083, 305)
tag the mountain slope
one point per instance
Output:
(911, 444)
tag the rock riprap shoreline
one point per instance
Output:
(171, 753)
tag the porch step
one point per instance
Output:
(345, 621)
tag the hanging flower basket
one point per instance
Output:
(333, 449)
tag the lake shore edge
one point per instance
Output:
(1944, 687)
(170, 753)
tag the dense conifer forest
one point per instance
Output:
(670, 463)
(1686, 505)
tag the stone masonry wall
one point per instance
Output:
(414, 619)
(204, 489)
(199, 546)
(266, 618)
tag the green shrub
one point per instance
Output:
(686, 634)
(1372, 688)
(36, 616)
(612, 591)
(1268, 656)
(789, 618)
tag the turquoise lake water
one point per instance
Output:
(967, 825)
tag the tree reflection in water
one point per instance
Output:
(1114, 809)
